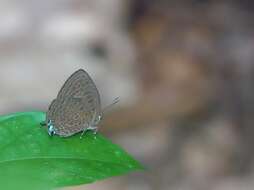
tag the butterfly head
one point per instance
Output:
(51, 129)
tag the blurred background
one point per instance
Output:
(183, 70)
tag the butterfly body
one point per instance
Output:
(77, 107)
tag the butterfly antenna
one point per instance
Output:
(115, 101)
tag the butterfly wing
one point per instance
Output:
(70, 118)
(77, 105)
(81, 85)
(51, 111)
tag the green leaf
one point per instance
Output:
(31, 159)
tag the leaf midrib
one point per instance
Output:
(64, 158)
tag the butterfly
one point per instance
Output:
(76, 108)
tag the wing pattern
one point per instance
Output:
(77, 105)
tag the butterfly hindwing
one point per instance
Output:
(77, 105)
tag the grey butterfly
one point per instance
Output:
(77, 107)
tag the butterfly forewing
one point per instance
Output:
(77, 105)
(51, 110)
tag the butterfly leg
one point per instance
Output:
(85, 129)
(43, 123)
(83, 132)
(94, 129)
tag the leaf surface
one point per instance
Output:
(31, 159)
